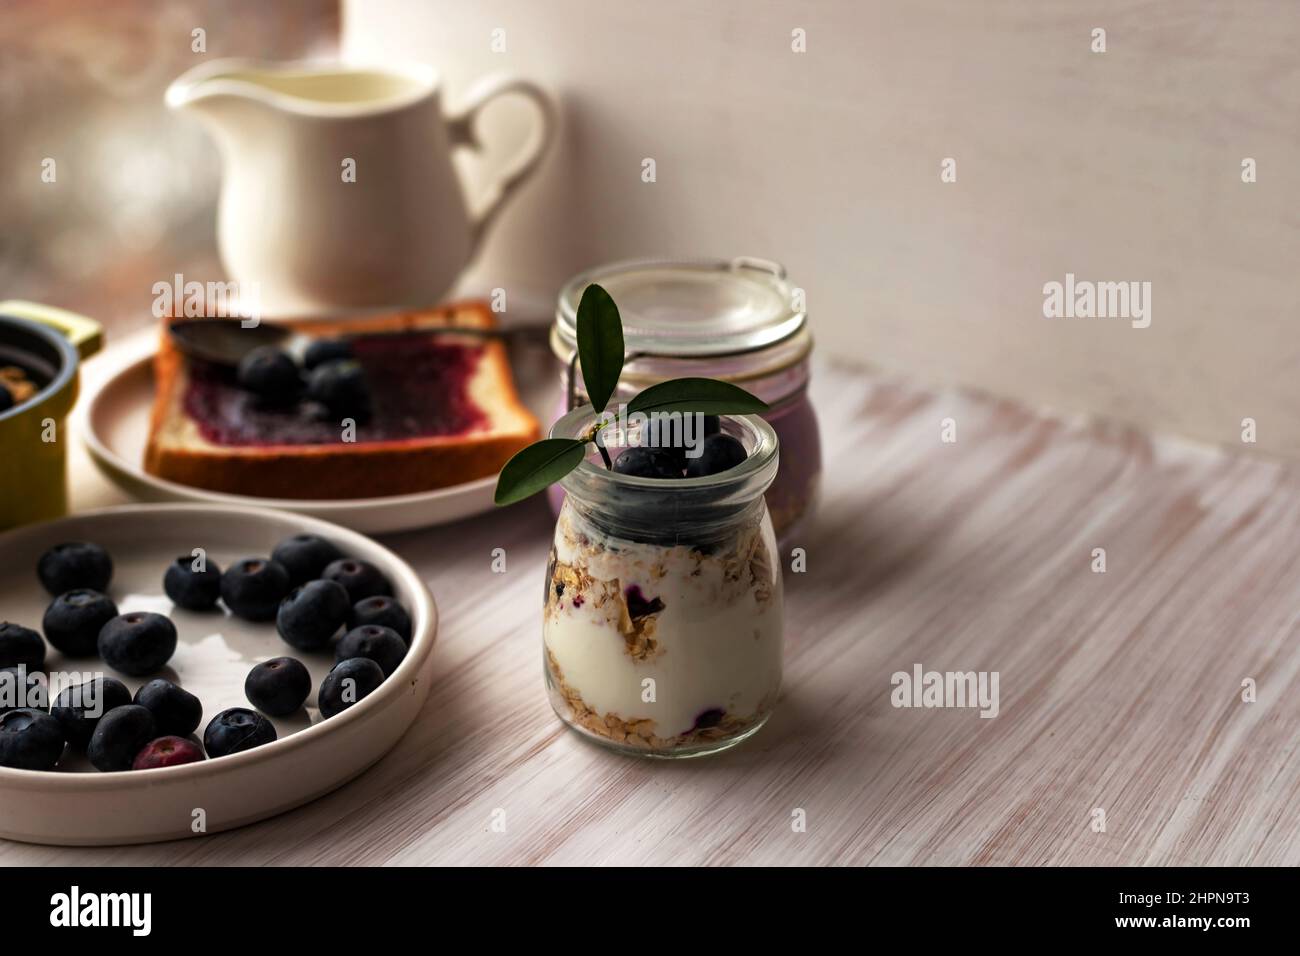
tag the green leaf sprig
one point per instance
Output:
(601, 356)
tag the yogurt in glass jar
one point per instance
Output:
(738, 320)
(663, 612)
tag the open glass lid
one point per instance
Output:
(691, 307)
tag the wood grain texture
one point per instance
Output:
(1119, 691)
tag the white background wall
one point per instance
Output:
(1116, 166)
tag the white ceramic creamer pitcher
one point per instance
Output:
(338, 185)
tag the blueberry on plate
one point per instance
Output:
(361, 578)
(254, 587)
(74, 619)
(236, 730)
(167, 752)
(137, 643)
(21, 645)
(305, 556)
(720, 453)
(347, 683)
(384, 611)
(320, 351)
(374, 642)
(176, 712)
(79, 708)
(121, 734)
(75, 565)
(21, 689)
(190, 589)
(341, 387)
(29, 740)
(278, 687)
(270, 374)
(312, 614)
(647, 463)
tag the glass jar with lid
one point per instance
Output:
(662, 621)
(739, 320)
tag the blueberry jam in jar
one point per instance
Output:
(662, 616)
(739, 320)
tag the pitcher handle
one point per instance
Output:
(461, 128)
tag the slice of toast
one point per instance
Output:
(445, 411)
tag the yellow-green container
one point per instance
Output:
(47, 344)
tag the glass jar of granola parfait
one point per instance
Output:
(663, 615)
(739, 320)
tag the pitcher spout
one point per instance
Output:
(221, 92)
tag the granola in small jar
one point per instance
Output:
(663, 609)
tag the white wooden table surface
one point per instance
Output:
(1120, 692)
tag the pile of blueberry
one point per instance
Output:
(329, 377)
(312, 592)
(659, 459)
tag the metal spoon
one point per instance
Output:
(226, 341)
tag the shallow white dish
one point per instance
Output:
(215, 653)
(113, 420)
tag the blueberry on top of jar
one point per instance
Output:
(647, 463)
(660, 434)
(720, 453)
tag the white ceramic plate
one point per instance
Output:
(311, 757)
(113, 420)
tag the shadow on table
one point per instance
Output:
(850, 556)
